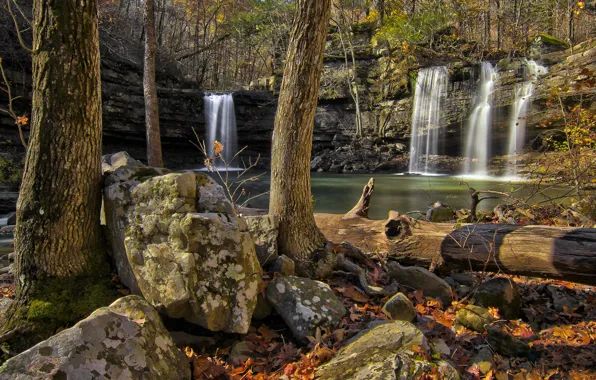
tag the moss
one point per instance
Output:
(549, 40)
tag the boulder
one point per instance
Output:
(474, 318)
(420, 278)
(111, 162)
(400, 308)
(506, 344)
(502, 294)
(264, 230)
(284, 266)
(385, 352)
(304, 305)
(177, 241)
(126, 340)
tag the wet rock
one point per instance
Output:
(304, 305)
(284, 266)
(384, 352)
(506, 344)
(111, 162)
(484, 360)
(502, 294)
(125, 340)
(474, 318)
(400, 308)
(440, 213)
(179, 248)
(264, 230)
(420, 278)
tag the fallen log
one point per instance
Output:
(553, 252)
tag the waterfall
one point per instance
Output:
(431, 89)
(477, 146)
(220, 118)
(519, 111)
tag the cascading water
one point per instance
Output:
(519, 111)
(477, 147)
(431, 89)
(220, 117)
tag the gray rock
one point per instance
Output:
(484, 360)
(506, 344)
(198, 266)
(304, 305)
(420, 278)
(125, 340)
(7, 230)
(7, 269)
(264, 230)
(474, 318)
(467, 279)
(284, 266)
(385, 352)
(561, 299)
(451, 282)
(400, 308)
(240, 353)
(111, 162)
(502, 294)
(440, 213)
(4, 305)
(263, 308)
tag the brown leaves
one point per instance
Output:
(205, 369)
(354, 294)
(217, 147)
(21, 120)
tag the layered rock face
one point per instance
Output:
(175, 240)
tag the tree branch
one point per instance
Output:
(16, 25)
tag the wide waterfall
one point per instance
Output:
(220, 117)
(477, 146)
(431, 89)
(519, 111)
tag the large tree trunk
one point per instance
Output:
(154, 157)
(553, 252)
(58, 236)
(299, 237)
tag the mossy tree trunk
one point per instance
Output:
(59, 254)
(154, 156)
(291, 200)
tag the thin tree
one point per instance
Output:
(59, 257)
(291, 199)
(154, 156)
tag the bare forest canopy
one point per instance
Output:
(227, 44)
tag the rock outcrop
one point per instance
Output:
(126, 340)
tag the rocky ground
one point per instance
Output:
(228, 306)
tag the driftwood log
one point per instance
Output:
(561, 253)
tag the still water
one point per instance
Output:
(338, 193)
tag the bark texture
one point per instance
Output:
(552, 252)
(154, 156)
(58, 236)
(291, 200)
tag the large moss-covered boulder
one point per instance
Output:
(126, 340)
(264, 230)
(387, 351)
(183, 248)
(420, 278)
(304, 305)
(502, 294)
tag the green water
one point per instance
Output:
(338, 193)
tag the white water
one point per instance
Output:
(477, 146)
(220, 117)
(519, 112)
(431, 89)
(3, 222)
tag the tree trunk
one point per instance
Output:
(58, 235)
(154, 157)
(552, 252)
(291, 200)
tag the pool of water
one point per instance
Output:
(338, 193)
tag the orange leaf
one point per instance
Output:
(354, 294)
(217, 147)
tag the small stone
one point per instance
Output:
(502, 294)
(561, 299)
(506, 344)
(474, 318)
(467, 279)
(240, 353)
(463, 291)
(439, 346)
(484, 360)
(400, 308)
(284, 266)
(451, 282)
(420, 278)
(440, 213)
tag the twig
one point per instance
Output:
(16, 25)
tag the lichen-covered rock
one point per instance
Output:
(264, 230)
(440, 213)
(125, 340)
(474, 318)
(400, 308)
(385, 352)
(305, 304)
(502, 294)
(420, 278)
(284, 266)
(200, 266)
(111, 162)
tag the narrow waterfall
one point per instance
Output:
(477, 146)
(431, 89)
(220, 118)
(519, 112)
